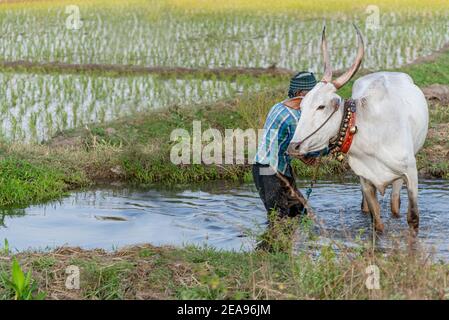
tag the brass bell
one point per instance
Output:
(353, 130)
(340, 157)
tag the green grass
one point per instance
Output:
(105, 282)
(425, 74)
(18, 285)
(24, 183)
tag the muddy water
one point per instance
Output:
(223, 216)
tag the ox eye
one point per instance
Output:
(321, 107)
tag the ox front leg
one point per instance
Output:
(395, 200)
(369, 192)
(412, 188)
(364, 205)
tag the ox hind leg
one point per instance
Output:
(395, 199)
(412, 190)
(369, 192)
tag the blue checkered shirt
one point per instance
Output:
(279, 129)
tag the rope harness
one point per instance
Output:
(312, 183)
(321, 126)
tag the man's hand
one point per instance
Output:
(311, 161)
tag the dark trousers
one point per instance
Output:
(274, 193)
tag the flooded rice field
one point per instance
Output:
(223, 216)
(153, 36)
(35, 106)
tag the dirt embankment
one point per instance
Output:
(133, 69)
(431, 57)
(437, 93)
(437, 152)
(127, 266)
(147, 272)
(178, 71)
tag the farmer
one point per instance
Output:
(272, 171)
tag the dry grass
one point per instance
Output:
(147, 272)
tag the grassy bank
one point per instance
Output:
(136, 149)
(146, 272)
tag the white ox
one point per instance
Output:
(392, 122)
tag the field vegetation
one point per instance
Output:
(63, 130)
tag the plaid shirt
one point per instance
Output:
(279, 129)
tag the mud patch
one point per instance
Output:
(436, 152)
(437, 93)
(65, 141)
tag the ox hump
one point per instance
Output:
(380, 84)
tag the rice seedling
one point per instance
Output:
(186, 34)
(35, 106)
(252, 34)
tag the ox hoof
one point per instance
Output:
(395, 207)
(395, 214)
(413, 223)
(414, 232)
(379, 227)
(364, 208)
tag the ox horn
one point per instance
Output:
(327, 77)
(345, 77)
